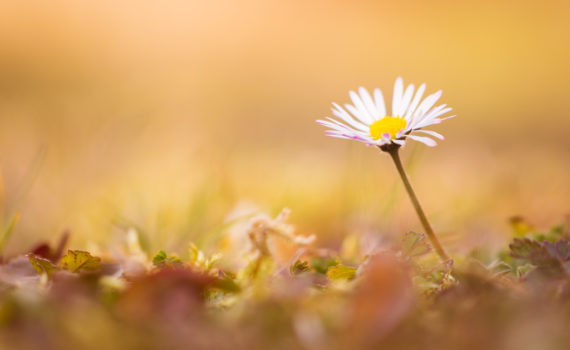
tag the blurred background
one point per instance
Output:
(170, 116)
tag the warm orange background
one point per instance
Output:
(166, 114)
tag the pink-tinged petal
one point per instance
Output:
(339, 128)
(339, 134)
(399, 142)
(425, 140)
(334, 126)
(381, 142)
(398, 91)
(379, 100)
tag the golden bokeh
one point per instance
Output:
(167, 115)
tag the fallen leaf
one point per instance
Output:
(41, 265)
(80, 261)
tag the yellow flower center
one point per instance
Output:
(387, 127)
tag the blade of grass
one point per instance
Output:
(27, 182)
(29, 178)
(8, 232)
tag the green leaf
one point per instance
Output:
(80, 261)
(41, 265)
(414, 244)
(321, 265)
(161, 259)
(299, 267)
(559, 250)
(533, 252)
(441, 272)
(436, 279)
(227, 284)
(554, 234)
(522, 270)
(341, 272)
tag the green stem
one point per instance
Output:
(394, 153)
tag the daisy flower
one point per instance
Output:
(368, 121)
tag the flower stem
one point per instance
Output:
(394, 153)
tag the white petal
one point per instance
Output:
(339, 133)
(397, 97)
(370, 106)
(343, 115)
(423, 139)
(347, 136)
(360, 106)
(401, 133)
(405, 100)
(429, 123)
(357, 114)
(415, 101)
(399, 142)
(339, 136)
(435, 121)
(432, 133)
(426, 104)
(336, 125)
(435, 114)
(437, 111)
(431, 115)
(379, 99)
(442, 119)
